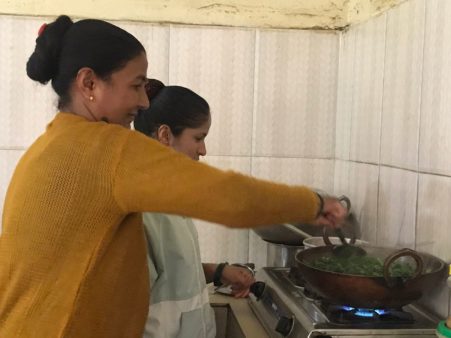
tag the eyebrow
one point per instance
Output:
(142, 78)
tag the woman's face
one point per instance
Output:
(119, 98)
(191, 141)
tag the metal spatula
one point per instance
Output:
(346, 250)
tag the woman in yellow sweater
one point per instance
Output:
(73, 251)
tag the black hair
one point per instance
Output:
(175, 106)
(64, 47)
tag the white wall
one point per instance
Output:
(393, 140)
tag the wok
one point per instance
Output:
(372, 292)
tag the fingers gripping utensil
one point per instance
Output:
(345, 250)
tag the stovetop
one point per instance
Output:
(286, 311)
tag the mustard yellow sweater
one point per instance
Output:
(72, 251)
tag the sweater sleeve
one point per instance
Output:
(152, 177)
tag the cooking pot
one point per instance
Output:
(372, 292)
(280, 234)
(282, 255)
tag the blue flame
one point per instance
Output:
(368, 313)
(347, 308)
(381, 312)
(364, 313)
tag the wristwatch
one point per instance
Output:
(218, 274)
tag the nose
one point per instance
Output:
(143, 100)
(202, 149)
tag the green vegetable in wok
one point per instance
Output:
(362, 266)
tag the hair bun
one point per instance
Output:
(42, 65)
(153, 87)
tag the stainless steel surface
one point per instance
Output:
(283, 299)
(281, 255)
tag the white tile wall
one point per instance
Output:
(341, 177)
(296, 94)
(316, 173)
(435, 140)
(345, 92)
(359, 181)
(155, 39)
(363, 192)
(218, 63)
(401, 66)
(433, 229)
(397, 207)
(368, 84)
(402, 85)
(26, 106)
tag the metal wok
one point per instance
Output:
(372, 292)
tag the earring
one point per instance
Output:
(91, 98)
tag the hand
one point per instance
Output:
(333, 214)
(240, 279)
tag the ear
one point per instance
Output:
(164, 135)
(86, 82)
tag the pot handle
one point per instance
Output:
(326, 239)
(347, 201)
(394, 281)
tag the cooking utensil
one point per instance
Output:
(282, 234)
(372, 292)
(345, 250)
(282, 255)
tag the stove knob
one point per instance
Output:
(257, 289)
(284, 326)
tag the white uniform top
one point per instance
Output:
(179, 304)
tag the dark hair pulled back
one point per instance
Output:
(64, 47)
(175, 106)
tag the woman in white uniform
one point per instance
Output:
(179, 304)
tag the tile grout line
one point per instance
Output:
(337, 92)
(419, 124)
(254, 116)
(380, 130)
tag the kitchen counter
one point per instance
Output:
(245, 318)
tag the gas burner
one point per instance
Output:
(340, 314)
(283, 302)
